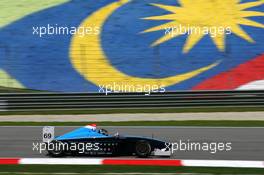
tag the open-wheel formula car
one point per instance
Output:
(90, 141)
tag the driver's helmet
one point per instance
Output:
(103, 131)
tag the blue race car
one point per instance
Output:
(90, 141)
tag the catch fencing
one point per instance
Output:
(90, 101)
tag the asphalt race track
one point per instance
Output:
(247, 143)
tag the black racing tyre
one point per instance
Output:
(143, 148)
(55, 149)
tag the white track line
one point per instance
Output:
(60, 161)
(147, 127)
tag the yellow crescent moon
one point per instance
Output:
(91, 62)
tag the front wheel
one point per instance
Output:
(143, 148)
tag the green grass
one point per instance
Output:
(134, 111)
(121, 169)
(220, 123)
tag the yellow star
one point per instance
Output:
(207, 14)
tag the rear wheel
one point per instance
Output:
(55, 149)
(143, 148)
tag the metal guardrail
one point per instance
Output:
(87, 101)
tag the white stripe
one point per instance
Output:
(223, 163)
(148, 127)
(254, 85)
(188, 163)
(60, 161)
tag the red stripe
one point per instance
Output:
(148, 162)
(250, 71)
(9, 161)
